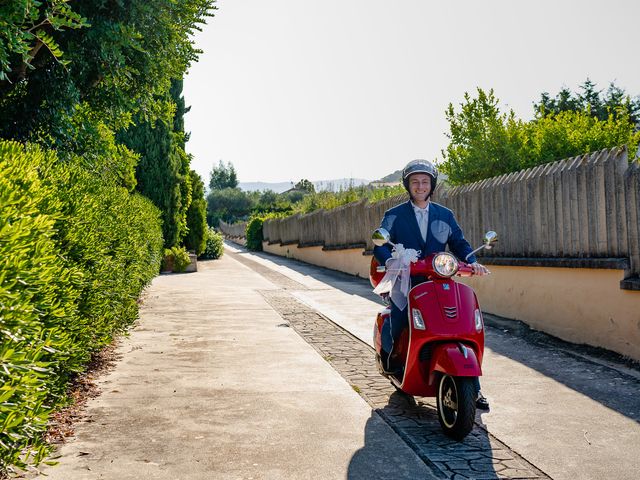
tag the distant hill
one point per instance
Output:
(397, 177)
(392, 177)
(280, 187)
(277, 187)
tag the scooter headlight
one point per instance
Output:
(478, 318)
(445, 264)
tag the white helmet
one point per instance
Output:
(420, 166)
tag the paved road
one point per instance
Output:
(259, 367)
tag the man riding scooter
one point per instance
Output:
(426, 227)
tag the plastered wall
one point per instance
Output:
(350, 261)
(579, 305)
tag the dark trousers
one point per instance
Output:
(391, 331)
(393, 328)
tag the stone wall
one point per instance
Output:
(234, 230)
(582, 212)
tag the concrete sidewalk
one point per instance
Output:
(568, 413)
(213, 385)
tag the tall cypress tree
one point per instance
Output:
(196, 216)
(163, 170)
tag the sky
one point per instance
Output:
(292, 89)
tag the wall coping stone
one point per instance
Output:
(631, 283)
(558, 262)
(348, 246)
(311, 244)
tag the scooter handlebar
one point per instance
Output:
(464, 270)
(421, 267)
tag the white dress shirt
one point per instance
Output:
(422, 217)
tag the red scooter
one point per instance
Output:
(443, 347)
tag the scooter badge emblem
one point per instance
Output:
(446, 286)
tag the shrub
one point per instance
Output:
(196, 217)
(181, 259)
(215, 245)
(254, 232)
(176, 259)
(74, 256)
(486, 142)
(35, 302)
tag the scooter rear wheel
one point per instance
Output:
(456, 405)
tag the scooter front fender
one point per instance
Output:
(455, 359)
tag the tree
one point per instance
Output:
(223, 176)
(119, 60)
(163, 170)
(614, 102)
(196, 216)
(228, 204)
(589, 100)
(484, 141)
(305, 185)
(28, 27)
(268, 201)
(567, 134)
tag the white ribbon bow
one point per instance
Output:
(398, 267)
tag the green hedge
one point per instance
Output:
(74, 257)
(214, 245)
(176, 259)
(253, 231)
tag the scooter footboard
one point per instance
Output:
(455, 359)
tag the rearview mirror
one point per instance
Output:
(490, 238)
(380, 237)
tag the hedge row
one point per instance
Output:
(74, 256)
(254, 232)
(214, 245)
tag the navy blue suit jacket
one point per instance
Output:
(443, 230)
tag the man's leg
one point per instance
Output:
(481, 402)
(391, 331)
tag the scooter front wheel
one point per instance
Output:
(456, 402)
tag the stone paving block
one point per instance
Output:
(498, 454)
(477, 475)
(482, 466)
(514, 473)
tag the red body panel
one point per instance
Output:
(374, 275)
(377, 337)
(448, 310)
(450, 358)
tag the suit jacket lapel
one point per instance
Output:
(413, 222)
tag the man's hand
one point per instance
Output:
(479, 269)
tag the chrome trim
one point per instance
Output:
(433, 264)
(451, 312)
